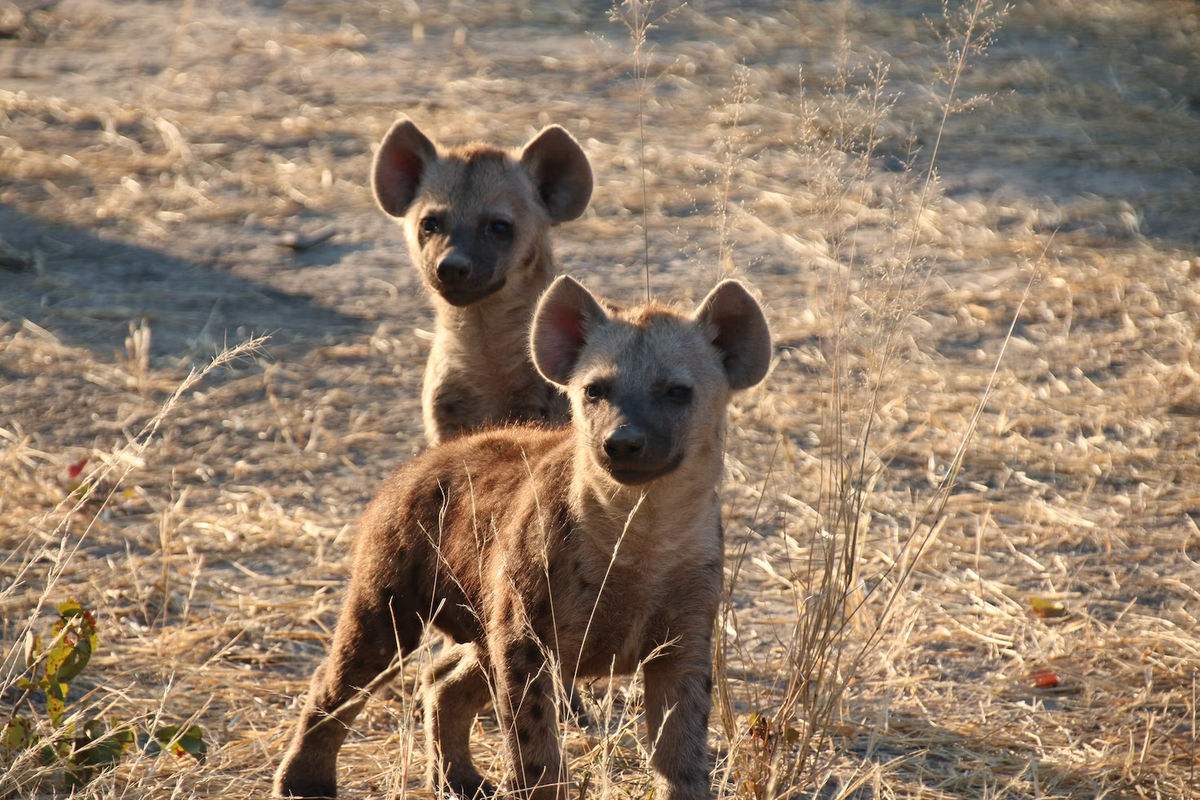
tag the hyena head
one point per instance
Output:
(477, 217)
(649, 385)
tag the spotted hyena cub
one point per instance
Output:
(548, 554)
(477, 219)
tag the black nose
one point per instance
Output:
(625, 442)
(453, 269)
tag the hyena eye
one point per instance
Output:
(593, 392)
(501, 229)
(430, 225)
(680, 394)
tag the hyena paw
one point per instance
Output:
(467, 787)
(698, 787)
(577, 710)
(292, 782)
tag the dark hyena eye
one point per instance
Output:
(593, 392)
(679, 394)
(431, 225)
(501, 228)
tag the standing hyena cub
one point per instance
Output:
(477, 219)
(504, 539)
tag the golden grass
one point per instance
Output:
(773, 150)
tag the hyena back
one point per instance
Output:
(477, 219)
(554, 553)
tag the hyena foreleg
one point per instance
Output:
(362, 659)
(678, 699)
(528, 717)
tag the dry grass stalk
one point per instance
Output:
(783, 746)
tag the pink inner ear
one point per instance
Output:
(397, 175)
(404, 166)
(560, 343)
(566, 323)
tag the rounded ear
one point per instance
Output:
(400, 162)
(560, 171)
(566, 315)
(735, 321)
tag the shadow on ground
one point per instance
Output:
(87, 290)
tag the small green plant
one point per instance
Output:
(86, 748)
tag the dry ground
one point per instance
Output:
(153, 158)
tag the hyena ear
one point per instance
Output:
(735, 321)
(400, 162)
(560, 171)
(566, 315)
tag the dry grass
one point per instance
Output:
(144, 192)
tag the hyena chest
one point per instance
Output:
(607, 626)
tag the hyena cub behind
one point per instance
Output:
(554, 553)
(477, 219)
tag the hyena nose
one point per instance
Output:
(453, 269)
(625, 442)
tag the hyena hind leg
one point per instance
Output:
(455, 689)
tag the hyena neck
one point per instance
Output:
(500, 323)
(656, 518)
(516, 301)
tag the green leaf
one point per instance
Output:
(55, 708)
(190, 742)
(69, 609)
(123, 736)
(165, 734)
(1046, 608)
(82, 620)
(58, 749)
(59, 650)
(73, 662)
(78, 775)
(100, 747)
(17, 734)
(81, 764)
(74, 641)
